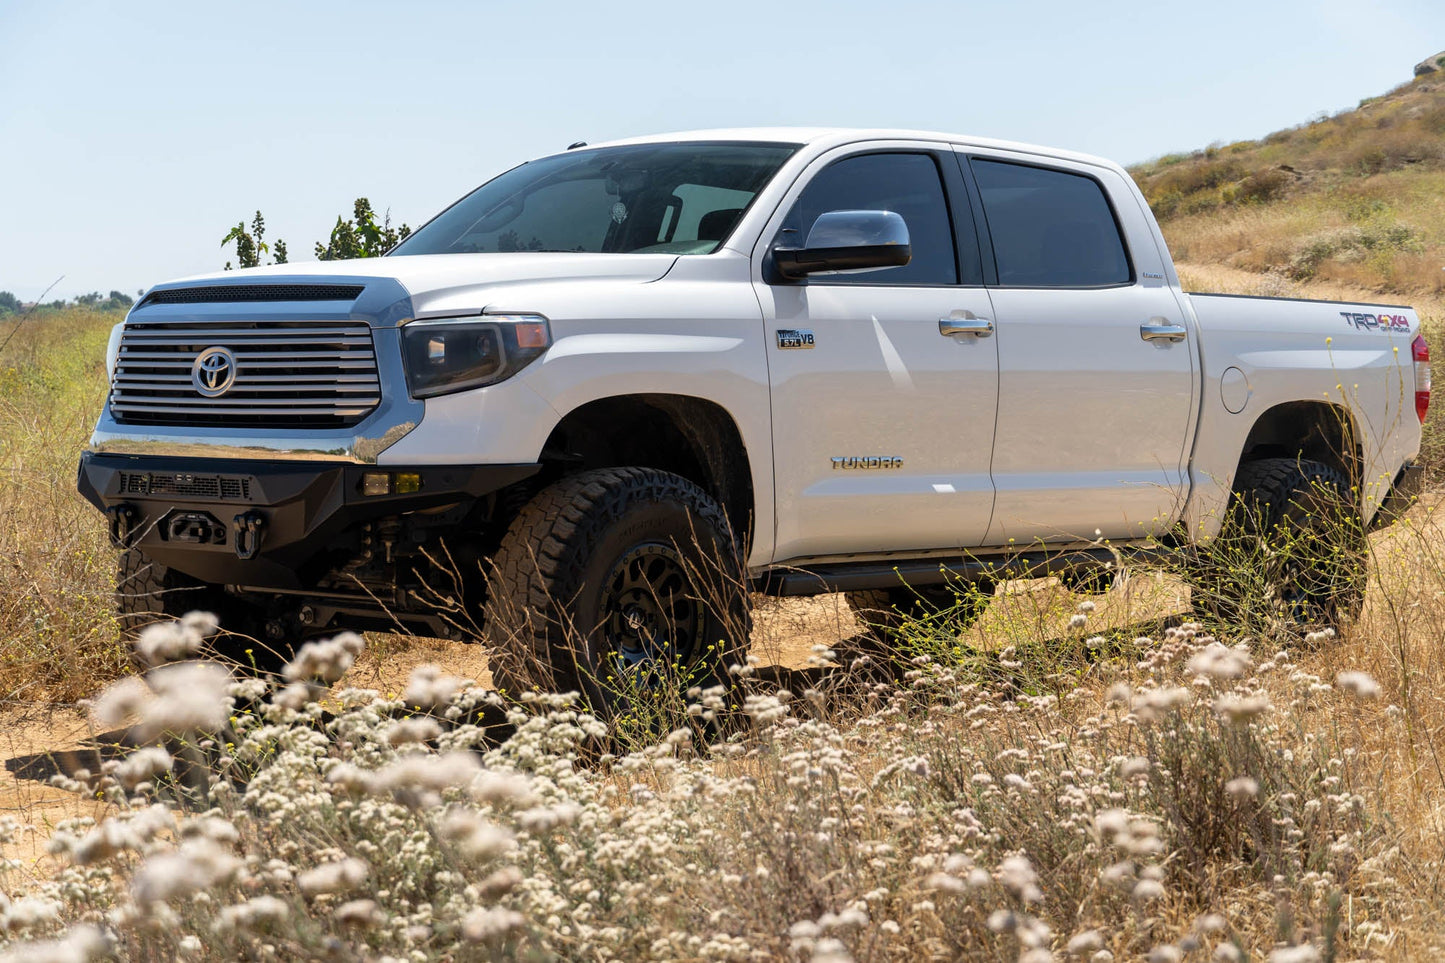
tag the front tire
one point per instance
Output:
(148, 592)
(1291, 555)
(617, 581)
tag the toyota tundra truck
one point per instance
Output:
(587, 410)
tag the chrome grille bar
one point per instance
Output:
(326, 369)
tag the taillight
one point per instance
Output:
(1420, 351)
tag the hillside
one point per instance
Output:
(1357, 198)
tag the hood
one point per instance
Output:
(451, 283)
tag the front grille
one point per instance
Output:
(288, 374)
(234, 293)
(208, 487)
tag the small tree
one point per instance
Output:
(9, 303)
(250, 245)
(362, 236)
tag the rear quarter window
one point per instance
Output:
(1050, 228)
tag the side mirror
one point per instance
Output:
(848, 241)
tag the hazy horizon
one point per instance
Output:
(133, 137)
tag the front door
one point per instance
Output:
(883, 421)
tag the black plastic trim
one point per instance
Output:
(249, 292)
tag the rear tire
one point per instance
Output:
(615, 582)
(1291, 555)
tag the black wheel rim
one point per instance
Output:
(651, 617)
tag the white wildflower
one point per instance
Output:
(429, 688)
(297, 695)
(1017, 874)
(544, 819)
(1304, 953)
(1148, 889)
(198, 864)
(1078, 621)
(342, 876)
(488, 923)
(1241, 709)
(1242, 788)
(1085, 942)
(143, 765)
(119, 701)
(1166, 953)
(360, 914)
(1220, 662)
(1359, 684)
(502, 788)
(258, 914)
(80, 944)
(1227, 953)
(415, 729)
(1002, 921)
(165, 642)
(327, 659)
(476, 837)
(1134, 766)
(830, 950)
(420, 780)
(1151, 705)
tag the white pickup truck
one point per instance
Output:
(588, 407)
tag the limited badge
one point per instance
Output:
(795, 338)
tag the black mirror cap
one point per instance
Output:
(797, 263)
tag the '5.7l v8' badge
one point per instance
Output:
(795, 338)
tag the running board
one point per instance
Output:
(858, 576)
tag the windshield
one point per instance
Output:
(678, 198)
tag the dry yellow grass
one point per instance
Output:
(57, 634)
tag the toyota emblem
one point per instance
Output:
(214, 372)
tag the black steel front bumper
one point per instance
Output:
(233, 521)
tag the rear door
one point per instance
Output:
(882, 421)
(1096, 356)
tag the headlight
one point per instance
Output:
(453, 354)
(112, 349)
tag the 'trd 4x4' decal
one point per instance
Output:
(1376, 322)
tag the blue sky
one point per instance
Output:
(132, 135)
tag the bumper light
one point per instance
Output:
(390, 483)
(454, 354)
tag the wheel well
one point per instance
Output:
(688, 436)
(1308, 430)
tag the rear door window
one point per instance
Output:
(906, 184)
(1050, 228)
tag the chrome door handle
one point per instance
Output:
(968, 324)
(1162, 329)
